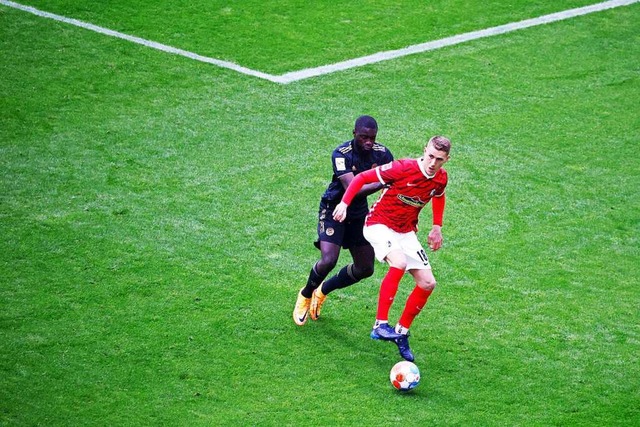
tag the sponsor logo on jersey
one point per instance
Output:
(411, 201)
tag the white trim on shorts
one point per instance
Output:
(384, 240)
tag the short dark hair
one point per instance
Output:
(440, 143)
(366, 122)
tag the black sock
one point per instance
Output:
(344, 278)
(313, 282)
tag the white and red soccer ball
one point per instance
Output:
(405, 376)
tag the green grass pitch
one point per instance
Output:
(157, 215)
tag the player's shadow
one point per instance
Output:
(335, 340)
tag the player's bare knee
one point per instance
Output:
(427, 285)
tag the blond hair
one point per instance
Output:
(440, 143)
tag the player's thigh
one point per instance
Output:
(363, 257)
(417, 258)
(382, 239)
(330, 230)
(354, 234)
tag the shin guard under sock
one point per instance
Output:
(416, 302)
(388, 290)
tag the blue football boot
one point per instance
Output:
(384, 332)
(403, 347)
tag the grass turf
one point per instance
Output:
(157, 217)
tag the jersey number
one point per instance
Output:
(423, 256)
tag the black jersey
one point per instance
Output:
(347, 158)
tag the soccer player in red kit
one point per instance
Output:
(391, 228)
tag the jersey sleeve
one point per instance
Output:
(444, 179)
(389, 172)
(437, 206)
(366, 177)
(341, 163)
(438, 200)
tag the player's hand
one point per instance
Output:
(435, 238)
(340, 212)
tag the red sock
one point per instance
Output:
(388, 290)
(416, 301)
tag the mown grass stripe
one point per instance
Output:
(338, 66)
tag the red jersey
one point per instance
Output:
(408, 190)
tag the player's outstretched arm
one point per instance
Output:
(340, 211)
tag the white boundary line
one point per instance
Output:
(450, 41)
(147, 43)
(339, 66)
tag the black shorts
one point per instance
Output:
(347, 234)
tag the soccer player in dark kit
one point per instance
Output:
(349, 159)
(391, 228)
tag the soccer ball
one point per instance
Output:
(405, 376)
